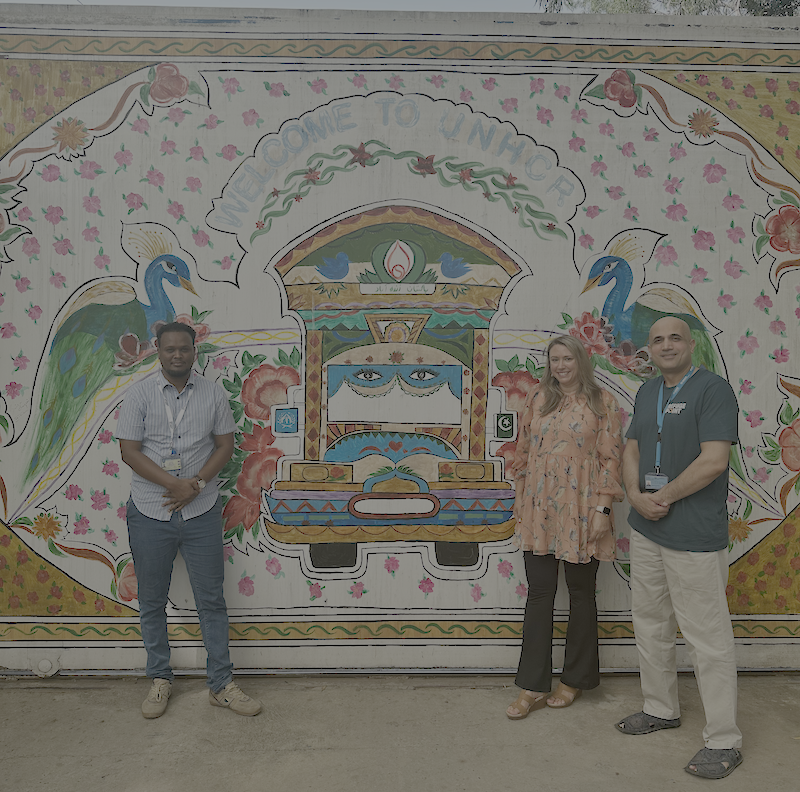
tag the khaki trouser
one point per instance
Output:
(674, 589)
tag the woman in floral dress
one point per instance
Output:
(567, 472)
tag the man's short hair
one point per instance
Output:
(175, 327)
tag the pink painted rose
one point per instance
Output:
(793, 107)
(100, 500)
(34, 312)
(54, 215)
(193, 184)
(521, 591)
(615, 193)
(576, 143)
(176, 210)
(226, 263)
(155, 178)
(110, 468)
(273, 566)
(703, 240)
(606, 129)
(101, 261)
(222, 362)
(134, 200)
(391, 565)
(713, 172)
(619, 88)
(763, 302)
(73, 492)
(196, 152)
(598, 167)
(63, 247)
(489, 84)
(782, 131)
(562, 92)
(23, 284)
(20, 362)
(725, 301)
(176, 115)
(578, 115)
(168, 146)
(643, 171)
(30, 247)
(780, 355)
(426, 585)
(81, 526)
(677, 152)
(211, 122)
(13, 389)
(91, 203)
(544, 116)
(24, 214)
(766, 111)
(754, 418)
(200, 238)
(230, 86)
(732, 202)
(749, 91)
(735, 234)
(141, 125)
(89, 170)
(698, 274)
(586, 240)
(123, 158)
(592, 211)
(51, 173)
(229, 152)
(250, 117)
(702, 80)
(357, 590)
(246, 586)
(7, 330)
(733, 268)
(90, 234)
(676, 212)
(628, 149)
(465, 96)
(630, 213)
(476, 593)
(359, 81)
(319, 86)
(747, 344)
(510, 106)
(672, 184)
(505, 569)
(314, 590)
(169, 84)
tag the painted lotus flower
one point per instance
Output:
(266, 386)
(399, 260)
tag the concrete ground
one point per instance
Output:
(365, 733)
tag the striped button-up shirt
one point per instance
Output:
(144, 417)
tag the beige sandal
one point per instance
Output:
(566, 693)
(526, 703)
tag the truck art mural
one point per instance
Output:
(375, 238)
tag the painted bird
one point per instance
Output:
(453, 267)
(632, 324)
(106, 331)
(335, 268)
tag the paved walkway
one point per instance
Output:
(383, 733)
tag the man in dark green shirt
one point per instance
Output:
(675, 470)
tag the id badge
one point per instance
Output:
(655, 481)
(172, 463)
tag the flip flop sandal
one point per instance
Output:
(642, 723)
(566, 694)
(714, 762)
(525, 704)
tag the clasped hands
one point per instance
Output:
(651, 505)
(181, 493)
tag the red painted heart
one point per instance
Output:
(395, 445)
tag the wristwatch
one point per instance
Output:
(602, 509)
(200, 482)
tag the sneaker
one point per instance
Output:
(232, 697)
(157, 699)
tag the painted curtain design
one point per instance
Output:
(375, 257)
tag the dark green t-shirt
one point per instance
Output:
(705, 409)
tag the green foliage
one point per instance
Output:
(292, 360)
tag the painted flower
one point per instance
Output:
(598, 167)
(562, 92)
(314, 590)
(266, 386)
(193, 184)
(544, 116)
(576, 143)
(91, 203)
(588, 330)
(426, 586)
(30, 247)
(141, 125)
(51, 173)
(777, 327)
(703, 240)
(619, 88)
(733, 268)
(7, 330)
(784, 230)
(732, 202)
(54, 215)
(240, 511)
(643, 171)
(615, 193)
(677, 151)
(666, 255)
(273, 566)
(34, 312)
(230, 86)
(672, 184)
(63, 247)
(747, 343)
(517, 385)
(100, 500)
(357, 590)
(780, 355)
(318, 86)
(134, 200)
(592, 211)
(465, 95)
(586, 241)
(713, 173)
(735, 234)
(73, 492)
(128, 586)
(229, 152)
(606, 129)
(676, 212)
(13, 389)
(246, 586)
(154, 178)
(754, 418)
(391, 565)
(505, 569)
(476, 593)
(169, 84)
(628, 149)
(509, 105)
(200, 238)
(725, 301)
(763, 302)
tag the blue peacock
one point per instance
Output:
(106, 332)
(630, 326)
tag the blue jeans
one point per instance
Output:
(154, 545)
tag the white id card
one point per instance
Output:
(655, 481)
(172, 463)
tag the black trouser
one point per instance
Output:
(581, 661)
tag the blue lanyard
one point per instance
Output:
(662, 411)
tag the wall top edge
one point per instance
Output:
(78, 19)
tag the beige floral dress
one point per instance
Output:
(564, 461)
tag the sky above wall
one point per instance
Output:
(468, 6)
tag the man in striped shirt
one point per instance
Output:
(175, 432)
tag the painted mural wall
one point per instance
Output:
(375, 237)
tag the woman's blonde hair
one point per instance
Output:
(586, 382)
